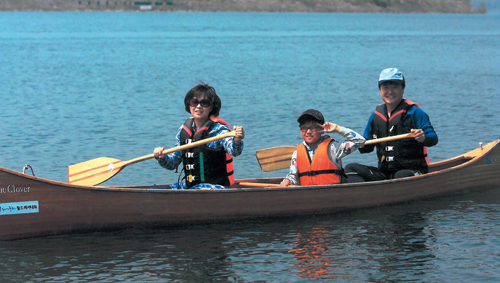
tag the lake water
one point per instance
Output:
(76, 86)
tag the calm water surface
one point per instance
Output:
(76, 86)
(453, 239)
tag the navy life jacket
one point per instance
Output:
(203, 164)
(399, 154)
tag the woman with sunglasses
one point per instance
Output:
(207, 166)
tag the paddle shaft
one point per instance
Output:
(179, 148)
(393, 138)
(263, 185)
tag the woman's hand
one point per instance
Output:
(240, 134)
(158, 153)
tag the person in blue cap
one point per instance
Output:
(400, 158)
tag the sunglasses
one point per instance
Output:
(205, 103)
(304, 129)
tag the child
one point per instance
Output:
(318, 159)
(208, 166)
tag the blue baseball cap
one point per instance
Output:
(391, 74)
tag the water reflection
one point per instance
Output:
(310, 250)
(398, 243)
(133, 256)
(423, 241)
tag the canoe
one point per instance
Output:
(32, 206)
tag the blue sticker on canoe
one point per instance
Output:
(19, 207)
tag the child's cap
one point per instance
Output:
(314, 114)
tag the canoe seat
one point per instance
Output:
(445, 164)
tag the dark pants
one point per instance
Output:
(357, 173)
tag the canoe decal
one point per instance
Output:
(19, 207)
(14, 189)
(493, 160)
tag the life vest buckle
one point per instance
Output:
(389, 148)
(189, 166)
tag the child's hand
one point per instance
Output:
(330, 127)
(285, 183)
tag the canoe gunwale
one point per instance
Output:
(466, 157)
(147, 189)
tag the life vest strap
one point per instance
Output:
(339, 172)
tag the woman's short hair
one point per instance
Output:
(206, 91)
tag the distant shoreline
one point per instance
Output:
(305, 6)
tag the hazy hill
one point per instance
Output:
(490, 4)
(365, 6)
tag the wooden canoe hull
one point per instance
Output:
(32, 206)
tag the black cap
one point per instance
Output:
(314, 114)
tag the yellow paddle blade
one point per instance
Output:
(275, 158)
(94, 172)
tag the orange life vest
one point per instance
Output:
(321, 170)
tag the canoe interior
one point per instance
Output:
(433, 167)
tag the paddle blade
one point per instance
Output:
(94, 172)
(275, 158)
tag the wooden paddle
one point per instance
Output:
(98, 170)
(264, 185)
(276, 158)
